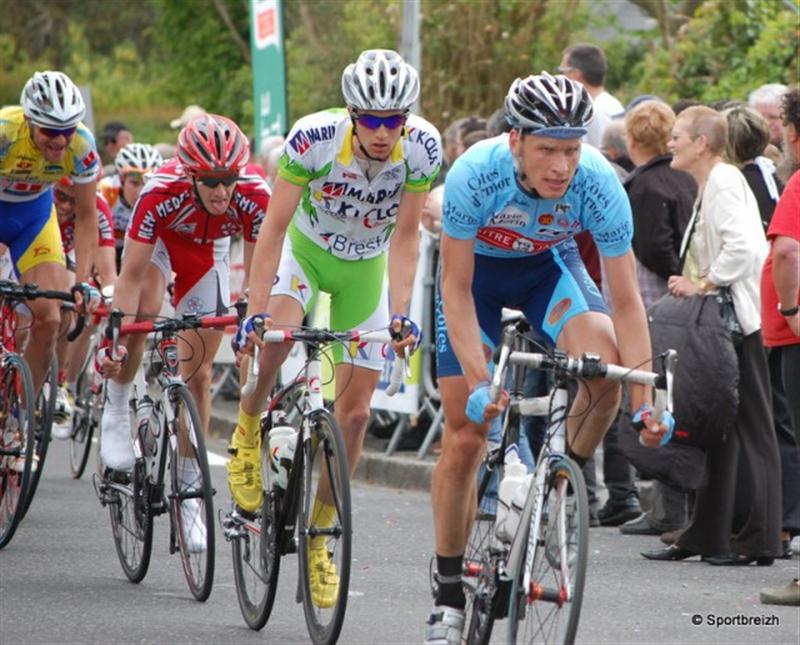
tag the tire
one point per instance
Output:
(191, 502)
(16, 441)
(256, 563)
(43, 413)
(325, 454)
(85, 418)
(132, 524)
(549, 611)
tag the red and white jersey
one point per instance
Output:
(105, 228)
(168, 209)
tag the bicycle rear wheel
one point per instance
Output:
(43, 413)
(547, 610)
(192, 498)
(85, 418)
(324, 535)
(17, 427)
(132, 523)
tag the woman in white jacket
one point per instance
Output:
(725, 246)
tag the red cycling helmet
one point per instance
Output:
(212, 144)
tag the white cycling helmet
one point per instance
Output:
(380, 80)
(52, 100)
(551, 106)
(137, 157)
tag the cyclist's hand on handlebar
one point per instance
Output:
(405, 333)
(480, 408)
(247, 334)
(653, 433)
(86, 296)
(109, 366)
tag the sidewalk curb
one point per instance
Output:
(374, 467)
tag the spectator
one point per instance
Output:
(497, 123)
(115, 137)
(587, 64)
(725, 246)
(767, 101)
(681, 104)
(189, 112)
(269, 152)
(166, 150)
(661, 201)
(780, 293)
(615, 149)
(453, 141)
(471, 138)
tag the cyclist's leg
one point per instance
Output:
(569, 310)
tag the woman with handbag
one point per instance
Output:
(725, 246)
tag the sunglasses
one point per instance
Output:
(373, 122)
(213, 182)
(52, 133)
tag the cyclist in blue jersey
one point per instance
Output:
(513, 205)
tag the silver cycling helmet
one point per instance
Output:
(380, 80)
(137, 157)
(52, 100)
(550, 106)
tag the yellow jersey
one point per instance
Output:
(25, 173)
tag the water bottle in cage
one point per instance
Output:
(145, 419)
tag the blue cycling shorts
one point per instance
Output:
(550, 288)
(30, 230)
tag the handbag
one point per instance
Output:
(727, 310)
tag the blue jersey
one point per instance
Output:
(484, 201)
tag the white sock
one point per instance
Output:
(118, 395)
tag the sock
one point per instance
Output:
(322, 516)
(248, 427)
(448, 575)
(581, 461)
(118, 395)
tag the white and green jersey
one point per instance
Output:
(342, 211)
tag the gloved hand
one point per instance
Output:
(246, 327)
(643, 418)
(405, 333)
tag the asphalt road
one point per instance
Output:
(60, 581)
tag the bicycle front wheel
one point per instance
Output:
(192, 498)
(43, 412)
(546, 609)
(17, 424)
(131, 523)
(324, 529)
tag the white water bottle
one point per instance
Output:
(514, 475)
(282, 441)
(509, 529)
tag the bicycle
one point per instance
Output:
(19, 444)
(536, 579)
(285, 523)
(168, 440)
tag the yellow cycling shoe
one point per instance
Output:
(323, 579)
(244, 472)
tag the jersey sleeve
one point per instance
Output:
(460, 217)
(85, 159)
(785, 220)
(301, 157)
(258, 195)
(608, 211)
(143, 226)
(105, 225)
(425, 156)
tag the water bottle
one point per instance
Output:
(514, 474)
(517, 504)
(282, 441)
(144, 409)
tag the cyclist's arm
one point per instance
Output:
(630, 320)
(267, 252)
(105, 265)
(85, 229)
(248, 259)
(128, 286)
(458, 265)
(404, 251)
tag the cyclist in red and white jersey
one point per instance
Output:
(182, 223)
(70, 355)
(122, 190)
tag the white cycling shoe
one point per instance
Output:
(193, 526)
(445, 626)
(116, 450)
(62, 414)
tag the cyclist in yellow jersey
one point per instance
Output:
(41, 141)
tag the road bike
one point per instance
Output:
(21, 444)
(170, 473)
(286, 522)
(536, 578)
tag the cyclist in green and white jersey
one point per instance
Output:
(347, 201)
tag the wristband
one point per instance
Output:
(788, 313)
